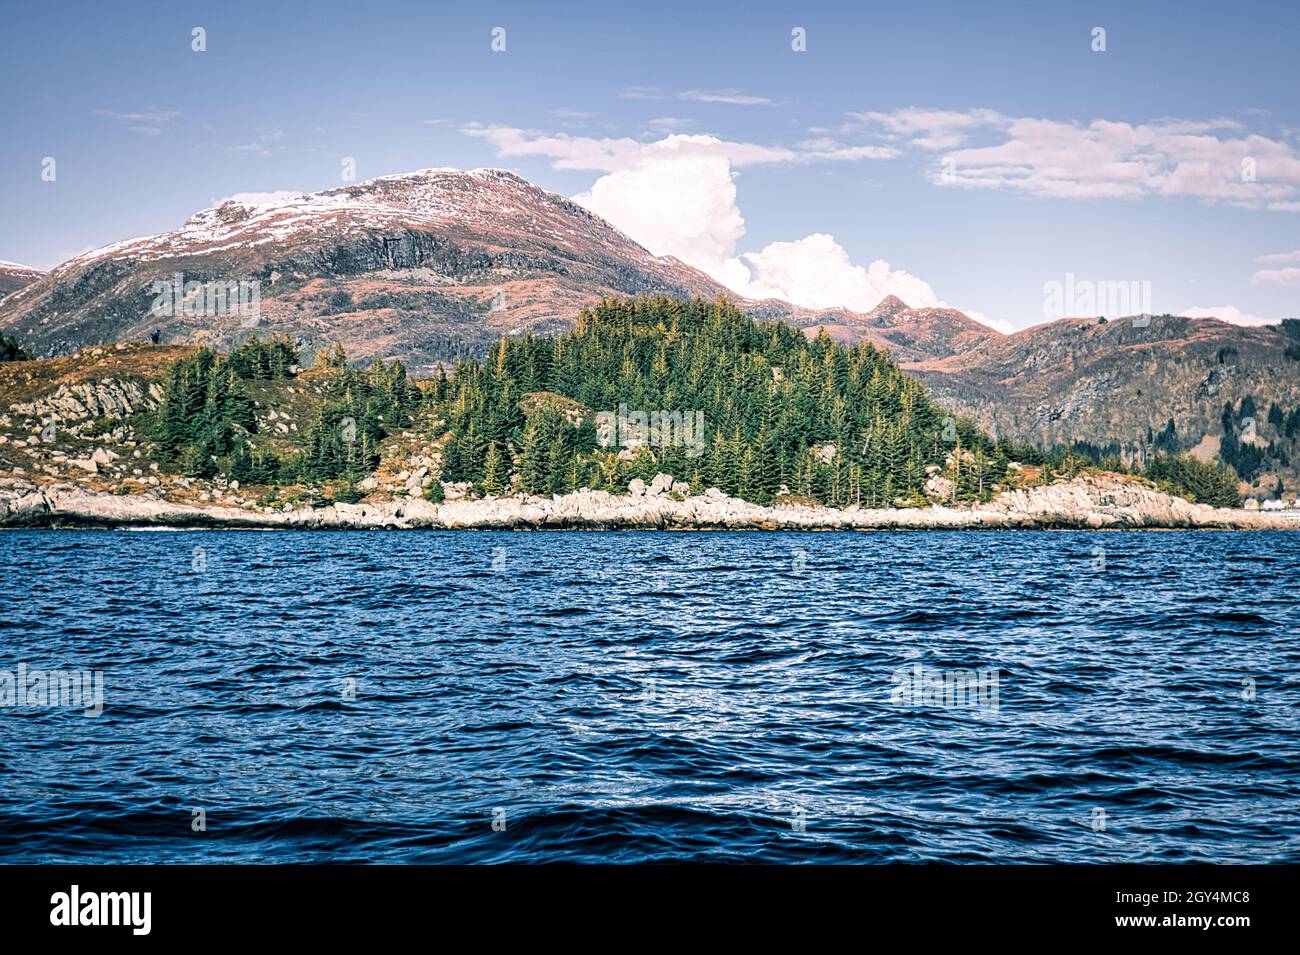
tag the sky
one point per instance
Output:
(957, 154)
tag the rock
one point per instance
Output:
(681, 487)
(1088, 501)
(939, 488)
(86, 464)
(636, 487)
(107, 398)
(660, 484)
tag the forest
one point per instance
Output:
(713, 398)
(836, 424)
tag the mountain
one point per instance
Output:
(1122, 381)
(434, 265)
(14, 276)
(422, 267)
(910, 334)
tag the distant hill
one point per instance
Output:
(14, 276)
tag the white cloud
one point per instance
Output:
(614, 154)
(149, 122)
(1279, 257)
(732, 97)
(152, 116)
(928, 128)
(1287, 277)
(675, 199)
(816, 272)
(997, 324)
(1215, 160)
(1226, 313)
(642, 92)
(677, 196)
(668, 124)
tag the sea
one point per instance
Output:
(649, 697)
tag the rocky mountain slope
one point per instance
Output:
(910, 334)
(1121, 381)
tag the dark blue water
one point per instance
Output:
(632, 697)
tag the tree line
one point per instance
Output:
(834, 423)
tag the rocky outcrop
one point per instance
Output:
(109, 398)
(1096, 502)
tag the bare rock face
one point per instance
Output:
(1085, 502)
(88, 400)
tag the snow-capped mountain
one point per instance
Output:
(14, 276)
(420, 266)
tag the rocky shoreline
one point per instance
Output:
(1095, 502)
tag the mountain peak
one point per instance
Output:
(887, 309)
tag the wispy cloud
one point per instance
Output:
(1283, 277)
(730, 96)
(642, 92)
(254, 149)
(669, 124)
(610, 154)
(1274, 258)
(1216, 160)
(148, 122)
(1226, 313)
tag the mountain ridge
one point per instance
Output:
(435, 264)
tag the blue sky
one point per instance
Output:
(980, 151)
